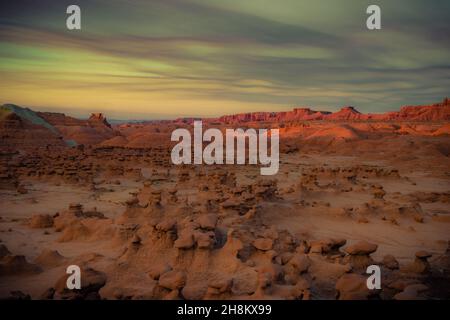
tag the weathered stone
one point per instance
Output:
(361, 248)
(172, 280)
(263, 244)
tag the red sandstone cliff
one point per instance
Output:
(433, 112)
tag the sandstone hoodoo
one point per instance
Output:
(359, 254)
(421, 264)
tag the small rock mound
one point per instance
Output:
(49, 258)
(40, 221)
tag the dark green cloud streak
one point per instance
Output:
(280, 53)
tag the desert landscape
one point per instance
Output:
(352, 190)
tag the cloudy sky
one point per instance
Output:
(169, 58)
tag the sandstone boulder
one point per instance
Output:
(39, 221)
(17, 265)
(207, 221)
(263, 244)
(49, 258)
(390, 262)
(361, 248)
(172, 280)
(412, 292)
(352, 287)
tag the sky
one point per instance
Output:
(155, 59)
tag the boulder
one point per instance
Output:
(222, 284)
(157, 270)
(207, 221)
(49, 258)
(390, 262)
(204, 240)
(172, 280)
(359, 255)
(263, 244)
(326, 245)
(352, 287)
(91, 282)
(421, 264)
(166, 225)
(194, 291)
(39, 221)
(412, 292)
(185, 241)
(361, 248)
(17, 265)
(300, 262)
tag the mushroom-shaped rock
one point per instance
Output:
(423, 254)
(361, 248)
(338, 242)
(421, 264)
(359, 254)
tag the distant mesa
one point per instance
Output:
(433, 112)
(22, 128)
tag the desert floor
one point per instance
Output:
(227, 233)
